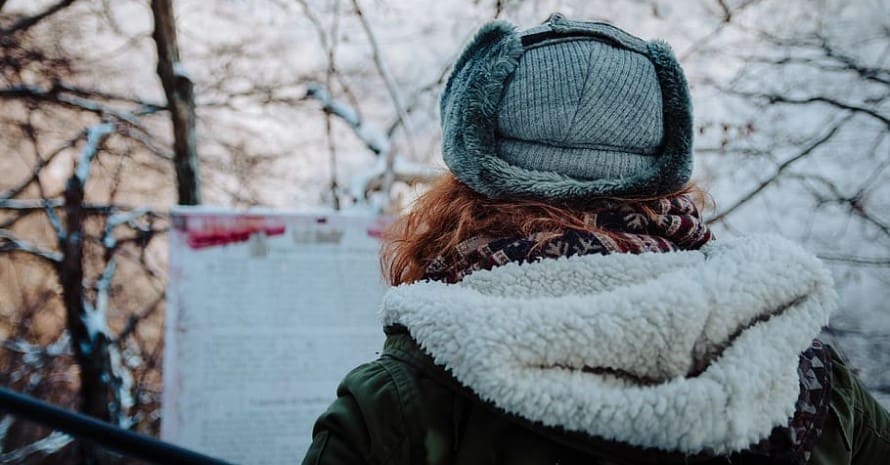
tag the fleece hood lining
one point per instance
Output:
(543, 340)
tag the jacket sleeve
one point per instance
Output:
(871, 437)
(861, 422)
(363, 425)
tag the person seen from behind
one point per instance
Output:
(557, 297)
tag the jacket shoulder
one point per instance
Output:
(365, 424)
(857, 430)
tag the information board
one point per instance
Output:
(266, 312)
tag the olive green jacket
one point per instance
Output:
(695, 352)
(403, 409)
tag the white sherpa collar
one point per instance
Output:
(519, 336)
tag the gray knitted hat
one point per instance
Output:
(567, 111)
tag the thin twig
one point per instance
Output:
(10, 243)
(415, 97)
(725, 21)
(777, 98)
(27, 22)
(56, 348)
(779, 170)
(58, 95)
(40, 204)
(16, 190)
(389, 175)
(95, 137)
(46, 446)
(330, 48)
(134, 319)
(727, 12)
(375, 140)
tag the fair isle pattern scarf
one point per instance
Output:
(669, 225)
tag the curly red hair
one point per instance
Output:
(450, 213)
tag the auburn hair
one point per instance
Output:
(449, 213)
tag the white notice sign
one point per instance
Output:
(266, 312)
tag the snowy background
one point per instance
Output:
(792, 101)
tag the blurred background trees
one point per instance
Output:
(104, 105)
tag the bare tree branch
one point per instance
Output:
(10, 243)
(46, 446)
(779, 171)
(329, 73)
(146, 107)
(880, 75)
(389, 176)
(778, 98)
(329, 46)
(61, 95)
(134, 319)
(727, 12)
(41, 204)
(26, 23)
(415, 98)
(35, 174)
(96, 135)
(819, 42)
(726, 20)
(825, 63)
(61, 346)
(498, 8)
(374, 139)
(855, 202)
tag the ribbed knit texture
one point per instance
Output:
(567, 111)
(582, 108)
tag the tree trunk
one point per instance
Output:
(90, 344)
(179, 90)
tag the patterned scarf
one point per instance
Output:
(794, 443)
(663, 225)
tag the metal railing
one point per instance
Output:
(124, 442)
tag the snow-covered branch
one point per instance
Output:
(403, 170)
(392, 88)
(10, 243)
(375, 139)
(96, 135)
(46, 446)
(54, 349)
(388, 163)
(40, 204)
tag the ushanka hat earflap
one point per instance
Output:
(545, 155)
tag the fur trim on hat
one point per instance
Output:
(472, 96)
